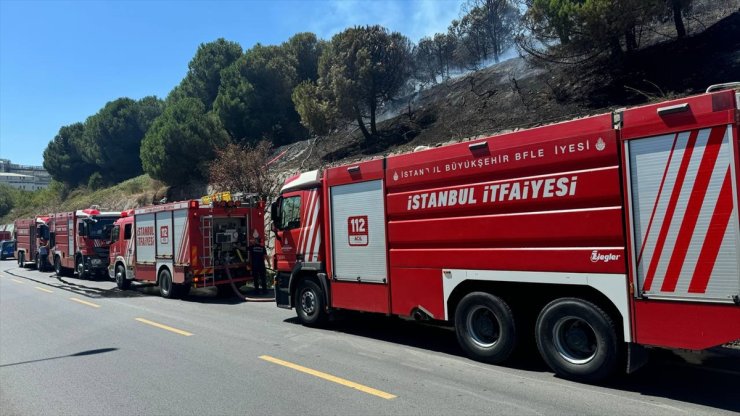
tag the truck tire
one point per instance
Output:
(80, 269)
(577, 339)
(121, 281)
(166, 288)
(309, 304)
(57, 266)
(485, 327)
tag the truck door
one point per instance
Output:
(359, 250)
(115, 247)
(291, 218)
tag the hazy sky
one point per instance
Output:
(61, 61)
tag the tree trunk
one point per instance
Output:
(616, 48)
(630, 39)
(373, 127)
(361, 124)
(678, 19)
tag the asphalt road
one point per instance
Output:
(69, 346)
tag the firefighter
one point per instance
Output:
(43, 257)
(257, 257)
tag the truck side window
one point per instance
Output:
(291, 213)
(114, 234)
(127, 232)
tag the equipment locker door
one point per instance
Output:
(682, 190)
(358, 232)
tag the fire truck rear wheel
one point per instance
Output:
(121, 280)
(58, 269)
(309, 304)
(485, 327)
(577, 339)
(165, 284)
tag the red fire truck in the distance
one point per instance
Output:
(81, 240)
(597, 237)
(186, 244)
(30, 234)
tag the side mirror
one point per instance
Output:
(275, 213)
(82, 229)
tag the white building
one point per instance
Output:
(29, 178)
(25, 182)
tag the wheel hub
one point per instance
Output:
(575, 340)
(483, 326)
(308, 302)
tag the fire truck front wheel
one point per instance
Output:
(577, 339)
(309, 303)
(485, 327)
(121, 280)
(80, 268)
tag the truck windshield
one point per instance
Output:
(101, 229)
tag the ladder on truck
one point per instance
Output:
(206, 259)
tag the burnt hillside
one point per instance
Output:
(519, 93)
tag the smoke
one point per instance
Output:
(394, 107)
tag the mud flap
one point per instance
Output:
(282, 290)
(637, 356)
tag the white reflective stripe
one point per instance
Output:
(310, 239)
(680, 212)
(704, 218)
(305, 227)
(613, 286)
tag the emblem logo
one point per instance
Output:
(600, 144)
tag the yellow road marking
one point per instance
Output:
(18, 281)
(43, 290)
(85, 302)
(329, 377)
(165, 327)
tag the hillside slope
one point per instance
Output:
(518, 94)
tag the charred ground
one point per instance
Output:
(521, 93)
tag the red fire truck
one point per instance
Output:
(596, 237)
(186, 244)
(81, 241)
(30, 234)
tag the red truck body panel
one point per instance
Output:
(640, 206)
(187, 238)
(71, 247)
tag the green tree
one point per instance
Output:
(204, 71)
(180, 144)
(360, 70)
(317, 112)
(305, 49)
(112, 137)
(6, 199)
(586, 28)
(254, 99)
(62, 158)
